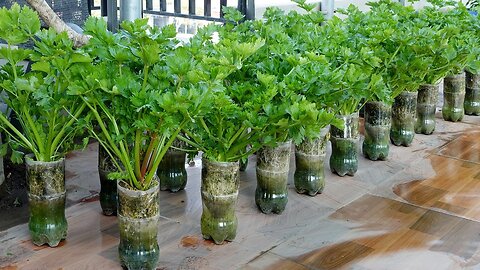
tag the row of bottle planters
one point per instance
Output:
(138, 211)
(411, 113)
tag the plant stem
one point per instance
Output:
(136, 153)
(158, 145)
(17, 132)
(148, 154)
(111, 143)
(160, 155)
(236, 135)
(145, 77)
(205, 126)
(180, 137)
(36, 136)
(60, 134)
(194, 138)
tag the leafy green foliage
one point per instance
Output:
(328, 70)
(385, 49)
(473, 39)
(454, 43)
(256, 107)
(50, 119)
(224, 132)
(286, 61)
(144, 89)
(409, 47)
(18, 24)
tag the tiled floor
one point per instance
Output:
(418, 210)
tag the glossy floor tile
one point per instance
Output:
(420, 209)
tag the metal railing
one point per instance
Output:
(102, 7)
(192, 13)
(109, 8)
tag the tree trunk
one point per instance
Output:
(53, 20)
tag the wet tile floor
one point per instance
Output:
(420, 209)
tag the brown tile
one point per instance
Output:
(469, 165)
(407, 208)
(450, 208)
(403, 240)
(378, 212)
(112, 230)
(335, 256)
(452, 149)
(466, 147)
(435, 223)
(110, 253)
(9, 267)
(417, 193)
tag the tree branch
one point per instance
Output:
(53, 20)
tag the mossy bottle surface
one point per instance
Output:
(273, 166)
(108, 187)
(46, 197)
(472, 94)
(378, 120)
(427, 97)
(404, 113)
(344, 157)
(138, 215)
(453, 97)
(171, 171)
(220, 184)
(309, 177)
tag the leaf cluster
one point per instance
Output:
(231, 124)
(49, 118)
(278, 112)
(142, 89)
(454, 44)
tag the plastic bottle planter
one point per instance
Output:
(108, 187)
(171, 171)
(426, 106)
(453, 97)
(46, 196)
(378, 120)
(273, 165)
(344, 157)
(472, 95)
(309, 174)
(220, 184)
(404, 112)
(138, 214)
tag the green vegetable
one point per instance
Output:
(50, 119)
(144, 90)
(454, 43)
(272, 71)
(224, 132)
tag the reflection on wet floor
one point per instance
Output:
(466, 147)
(388, 216)
(393, 229)
(456, 186)
(435, 228)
